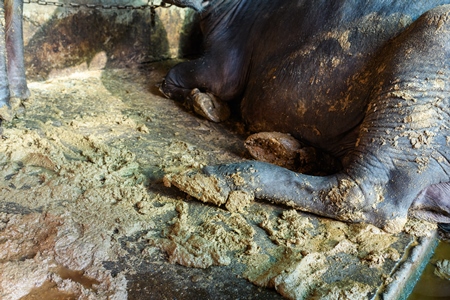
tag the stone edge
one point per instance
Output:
(409, 272)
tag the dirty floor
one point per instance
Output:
(84, 213)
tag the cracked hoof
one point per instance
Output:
(285, 151)
(274, 147)
(209, 106)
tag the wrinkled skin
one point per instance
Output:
(12, 70)
(366, 82)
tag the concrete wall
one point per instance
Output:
(64, 39)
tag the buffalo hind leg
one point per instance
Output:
(401, 149)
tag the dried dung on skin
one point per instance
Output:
(83, 170)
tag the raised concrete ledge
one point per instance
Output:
(409, 271)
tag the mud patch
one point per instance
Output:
(208, 243)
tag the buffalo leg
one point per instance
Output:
(402, 147)
(4, 86)
(14, 45)
(205, 85)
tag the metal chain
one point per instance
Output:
(149, 5)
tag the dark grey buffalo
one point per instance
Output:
(12, 71)
(365, 81)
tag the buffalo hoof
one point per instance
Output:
(285, 151)
(209, 189)
(9, 111)
(20, 91)
(4, 95)
(6, 111)
(12, 100)
(209, 106)
(274, 147)
(214, 188)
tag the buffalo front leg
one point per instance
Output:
(4, 84)
(12, 69)
(14, 45)
(199, 85)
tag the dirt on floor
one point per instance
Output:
(84, 213)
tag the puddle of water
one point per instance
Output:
(49, 290)
(430, 286)
(77, 276)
